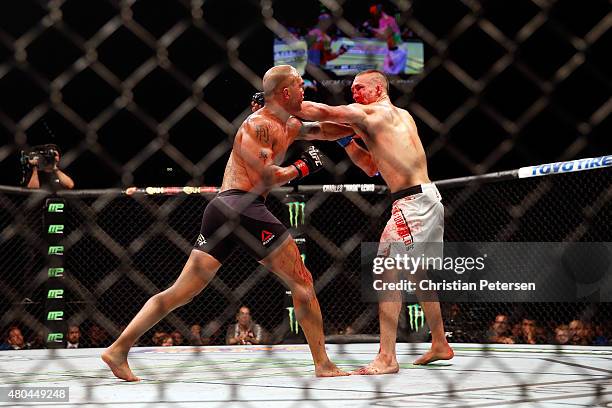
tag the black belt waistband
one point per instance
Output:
(406, 192)
(236, 192)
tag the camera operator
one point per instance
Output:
(41, 165)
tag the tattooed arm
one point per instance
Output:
(256, 148)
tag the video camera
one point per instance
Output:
(46, 155)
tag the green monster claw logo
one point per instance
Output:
(415, 312)
(293, 323)
(296, 213)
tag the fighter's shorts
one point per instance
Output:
(239, 217)
(416, 225)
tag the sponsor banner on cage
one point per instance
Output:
(487, 271)
(565, 167)
(341, 188)
(171, 190)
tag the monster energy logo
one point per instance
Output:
(293, 323)
(296, 213)
(56, 272)
(55, 294)
(56, 250)
(415, 312)
(56, 229)
(55, 337)
(56, 207)
(55, 315)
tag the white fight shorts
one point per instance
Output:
(416, 226)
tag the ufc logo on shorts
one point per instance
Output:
(201, 240)
(313, 153)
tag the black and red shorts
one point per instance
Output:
(238, 217)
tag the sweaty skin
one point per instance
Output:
(395, 150)
(259, 147)
(389, 132)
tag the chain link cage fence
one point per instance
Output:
(140, 93)
(152, 93)
(120, 249)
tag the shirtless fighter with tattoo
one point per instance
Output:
(238, 216)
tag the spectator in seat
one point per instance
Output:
(73, 337)
(245, 331)
(500, 330)
(177, 338)
(196, 338)
(167, 341)
(14, 340)
(158, 337)
(528, 333)
(599, 335)
(97, 336)
(580, 333)
(562, 335)
(38, 340)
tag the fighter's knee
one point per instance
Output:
(159, 300)
(303, 276)
(303, 293)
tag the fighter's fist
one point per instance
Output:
(257, 101)
(309, 162)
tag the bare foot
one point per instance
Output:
(380, 365)
(329, 369)
(443, 352)
(118, 364)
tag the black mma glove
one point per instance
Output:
(258, 98)
(309, 162)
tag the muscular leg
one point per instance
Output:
(198, 271)
(389, 307)
(287, 264)
(440, 350)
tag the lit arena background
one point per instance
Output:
(144, 98)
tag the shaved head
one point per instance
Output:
(277, 78)
(376, 77)
(283, 88)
